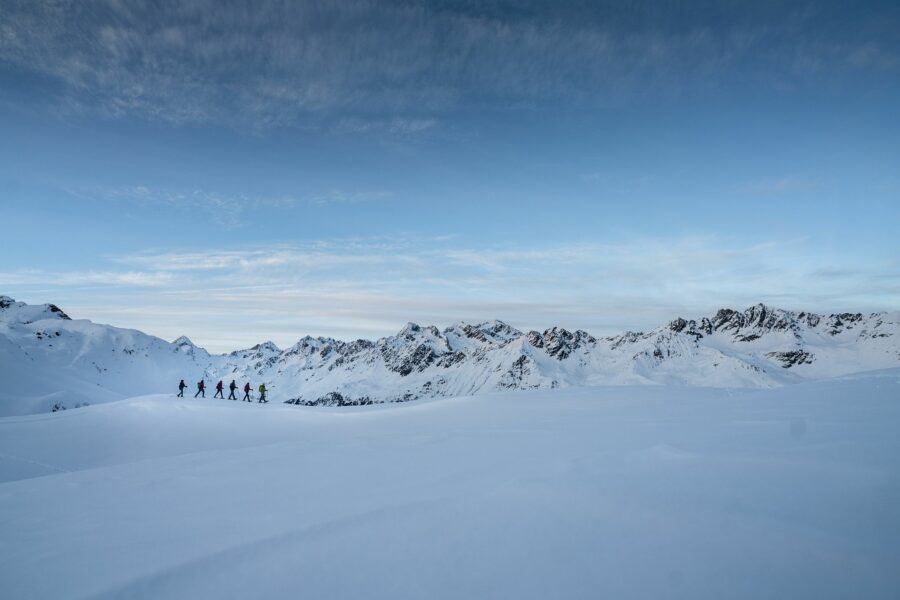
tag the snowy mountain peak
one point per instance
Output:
(560, 343)
(20, 312)
(183, 341)
(412, 331)
(308, 345)
(757, 316)
(498, 331)
(413, 335)
(267, 346)
(185, 346)
(746, 325)
(409, 329)
(58, 312)
(678, 325)
(785, 334)
(491, 333)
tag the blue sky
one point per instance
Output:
(247, 171)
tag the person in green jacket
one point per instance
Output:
(262, 393)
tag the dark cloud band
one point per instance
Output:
(294, 63)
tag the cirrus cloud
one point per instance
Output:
(395, 66)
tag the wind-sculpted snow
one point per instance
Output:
(54, 362)
(621, 492)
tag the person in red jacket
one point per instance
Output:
(247, 392)
(201, 389)
(219, 393)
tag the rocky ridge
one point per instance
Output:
(760, 346)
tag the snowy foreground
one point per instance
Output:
(612, 492)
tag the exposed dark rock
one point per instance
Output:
(535, 339)
(629, 337)
(333, 399)
(517, 373)
(418, 360)
(727, 319)
(678, 325)
(492, 332)
(448, 360)
(792, 357)
(55, 309)
(843, 321)
(356, 347)
(760, 319)
(560, 343)
(812, 319)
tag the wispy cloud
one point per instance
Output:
(225, 209)
(781, 185)
(396, 125)
(371, 287)
(255, 261)
(141, 279)
(397, 66)
(336, 196)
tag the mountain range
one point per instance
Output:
(49, 361)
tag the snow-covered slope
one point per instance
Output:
(625, 492)
(49, 360)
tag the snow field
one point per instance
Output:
(623, 492)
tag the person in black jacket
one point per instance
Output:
(181, 387)
(201, 389)
(232, 386)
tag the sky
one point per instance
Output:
(248, 171)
